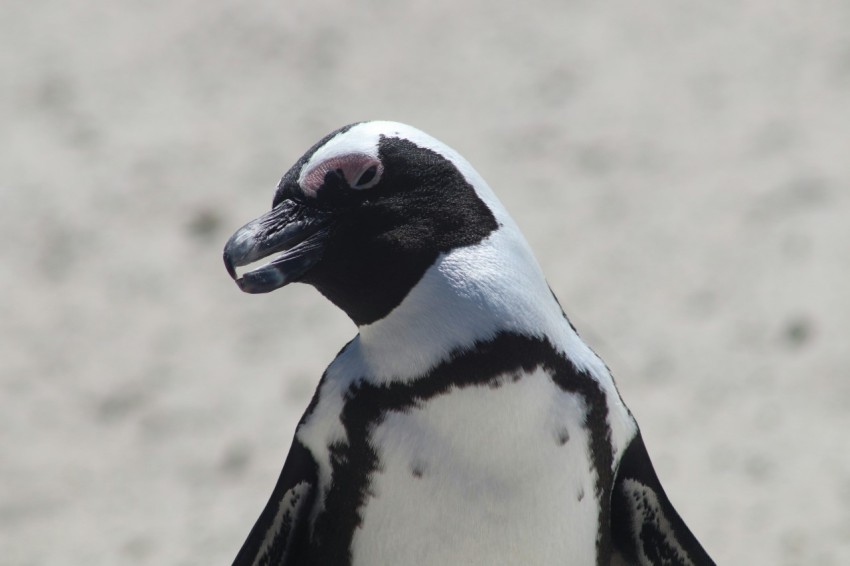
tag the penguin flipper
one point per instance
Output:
(279, 536)
(645, 528)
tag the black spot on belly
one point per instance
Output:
(417, 469)
(580, 494)
(562, 436)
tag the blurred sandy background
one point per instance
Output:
(681, 168)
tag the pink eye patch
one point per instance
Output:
(360, 171)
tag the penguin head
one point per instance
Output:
(361, 216)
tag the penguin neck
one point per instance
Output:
(469, 295)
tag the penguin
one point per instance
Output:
(467, 422)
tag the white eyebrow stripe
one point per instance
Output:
(358, 140)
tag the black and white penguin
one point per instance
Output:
(467, 422)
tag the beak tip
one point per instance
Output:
(288, 229)
(228, 264)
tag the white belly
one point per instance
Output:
(483, 475)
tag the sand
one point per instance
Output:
(681, 169)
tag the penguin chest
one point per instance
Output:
(499, 473)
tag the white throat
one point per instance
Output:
(470, 294)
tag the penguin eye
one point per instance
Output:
(367, 176)
(363, 172)
(356, 170)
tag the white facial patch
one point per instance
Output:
(363, 140)
(359, 170)
(358, 141)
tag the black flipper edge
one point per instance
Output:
(280, 536)
(645, 528)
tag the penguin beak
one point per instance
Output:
(294, 233)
